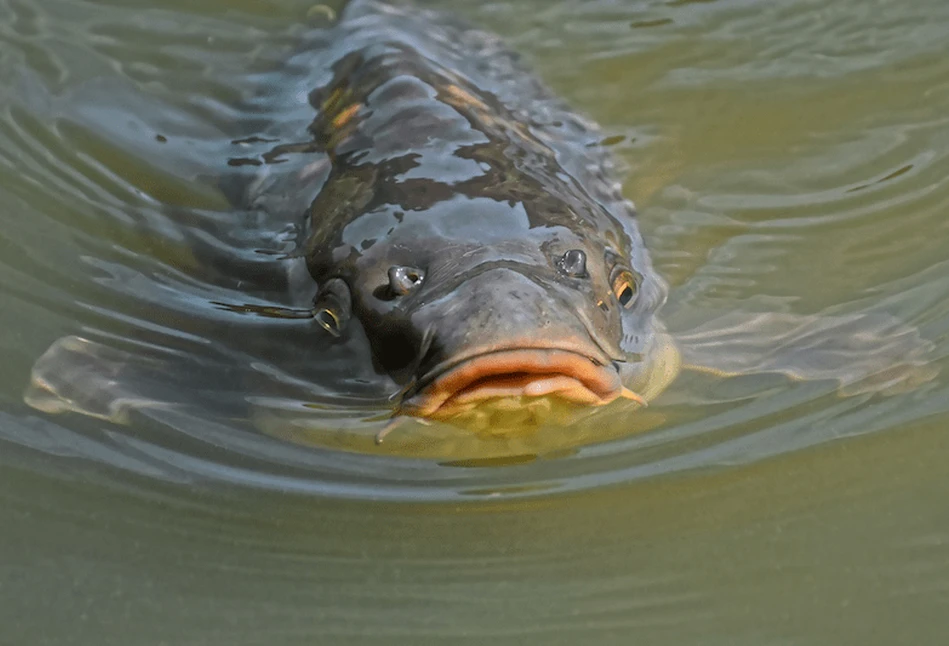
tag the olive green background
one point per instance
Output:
(788, 156)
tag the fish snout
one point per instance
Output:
(503, 335)
(501, 308)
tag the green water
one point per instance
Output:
(786, 157)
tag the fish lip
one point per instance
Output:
(601, 376)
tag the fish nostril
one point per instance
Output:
(573, 263)
(403, 280)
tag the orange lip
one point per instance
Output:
(515, 373)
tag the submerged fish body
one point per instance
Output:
(472, 225)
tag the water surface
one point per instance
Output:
(786, 157)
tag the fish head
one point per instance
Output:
(468, 313)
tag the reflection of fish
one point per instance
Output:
(472, 227)
(467, 227)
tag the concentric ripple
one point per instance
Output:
(806, 249)
(790, 160)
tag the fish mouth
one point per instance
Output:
(517, 373)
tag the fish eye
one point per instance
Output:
(403, 280)
(573, 263)
(333, 305)
(624, 287)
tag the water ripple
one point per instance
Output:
(167, 300)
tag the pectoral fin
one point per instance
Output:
(78, 375)
(863, 352)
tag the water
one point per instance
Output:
(786, 157)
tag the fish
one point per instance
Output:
(473, 226)
(467, 226)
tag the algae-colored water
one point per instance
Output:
(786, 157)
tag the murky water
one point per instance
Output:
(786, 157)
